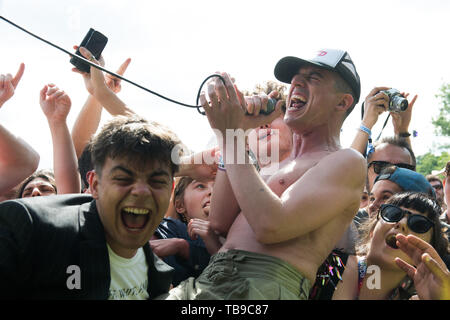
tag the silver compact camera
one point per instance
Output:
(397, 102)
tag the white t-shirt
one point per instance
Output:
(129, 280)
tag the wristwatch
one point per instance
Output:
(404, 134)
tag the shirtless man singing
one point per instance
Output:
(280, 231)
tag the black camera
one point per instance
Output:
(397, 102)
(95, 42)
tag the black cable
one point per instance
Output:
(117, 75)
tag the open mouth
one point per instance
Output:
(297, 102)
(206, 207)
(135, 219)
(391, 241)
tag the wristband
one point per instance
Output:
(253, 159)
(365, 129)
(370, 147)
(221, 165)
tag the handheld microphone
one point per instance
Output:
(271, 103)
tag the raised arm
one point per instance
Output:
(224, 207)
(375, 104)
(55, 104)
(96, 85)
(401, 120)
(89, 117)
(18, 159)
(339, 178)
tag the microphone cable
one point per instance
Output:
(197, 106)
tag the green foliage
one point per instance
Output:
(442, 122)
(429, 162)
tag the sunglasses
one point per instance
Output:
(380, 165)
(437, 187)
(416, 222)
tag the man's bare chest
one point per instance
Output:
(289, 174)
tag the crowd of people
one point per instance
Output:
(278, 210)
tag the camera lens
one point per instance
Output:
(403, 104)
(398, 104)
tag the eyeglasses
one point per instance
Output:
(416, 222)
(380, 165)
(437, 187)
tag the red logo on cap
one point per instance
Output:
(322, 53)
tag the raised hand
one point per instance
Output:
(227, 107)
(55, 103)
(8, 84)
(201, 165)
(430, 274)
(113, 82)
(401, 120)
(375, 104)
(94, 80)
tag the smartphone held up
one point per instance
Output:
(95, 42)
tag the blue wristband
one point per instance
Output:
(365, 129)
(221, 165)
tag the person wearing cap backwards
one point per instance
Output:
(392, 180)
(280, 231)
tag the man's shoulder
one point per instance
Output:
(47, 208)
(345, 162)
(347, 154)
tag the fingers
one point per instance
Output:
(274, 94)
(220, 88)
(52, 92)
(434, 266)
(409, 269)
(254, 105)
(123, 67)
(211, 87)
(43, 93)
(191, 231)
(18, 76)
(89, 56)
(409, 248)
(411, 103)
(241, 98)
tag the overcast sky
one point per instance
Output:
(174, 45)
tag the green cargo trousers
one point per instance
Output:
(243, 275)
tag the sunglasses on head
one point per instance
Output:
(416, 222)
(380, 165)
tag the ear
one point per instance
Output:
(345, 102)
(93, 180)
(179, 206)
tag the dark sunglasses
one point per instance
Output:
(416, 222)
(380, 165)
(437, 187)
